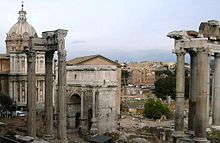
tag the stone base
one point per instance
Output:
(185, 140)
(200, 140)
(49, 138)
(177, 135)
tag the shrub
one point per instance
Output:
(155, 109)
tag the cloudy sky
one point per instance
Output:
(126, 30)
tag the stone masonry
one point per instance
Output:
(200, 45)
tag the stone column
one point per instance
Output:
(82, 118)
(93, 129)
(31, 102)
(216, 96)
(118, 97)
(180, 88)
(93, 103)
(49, 93)
(201, 99)
(61, 93)
(193, 91)
(208, 92)
(82, 104)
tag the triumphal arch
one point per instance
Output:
(201, 46)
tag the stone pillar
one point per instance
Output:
(82, 118)
(93, 104)
(61, 93)
(94, 121)
(216, 96)
(82, 103)
(193, 91)
(208, 92)
(201, 99)
(49, 93)
(118, 97)
(180, 88)
(31, 102)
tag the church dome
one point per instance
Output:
(22, 27)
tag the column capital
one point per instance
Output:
(61, 33)
(31, 56)
(179, 51)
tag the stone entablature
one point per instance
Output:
(85, 75)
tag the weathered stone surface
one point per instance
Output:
(138, 140)
(94, 86)
(210, 29)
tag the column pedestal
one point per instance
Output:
(94, 130)
(82, 126)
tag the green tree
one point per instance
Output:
(6, 102)
(166, 84)
(165, 87)
(154, 108)
(125, 75)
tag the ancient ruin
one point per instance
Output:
(201, 46)
(89, 92)
(50, 42)
(93, 94)
(29, 68)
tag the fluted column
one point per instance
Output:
(180, 88)
(201, 100)
(31, 79)
(193, 91)
(216, 97)
(49, 93)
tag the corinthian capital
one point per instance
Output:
(60, 33)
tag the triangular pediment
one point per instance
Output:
(92, 60)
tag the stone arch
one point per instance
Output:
(74, 110)
(75, 99)
(71, 91)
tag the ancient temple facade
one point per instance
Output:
(14, 63)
